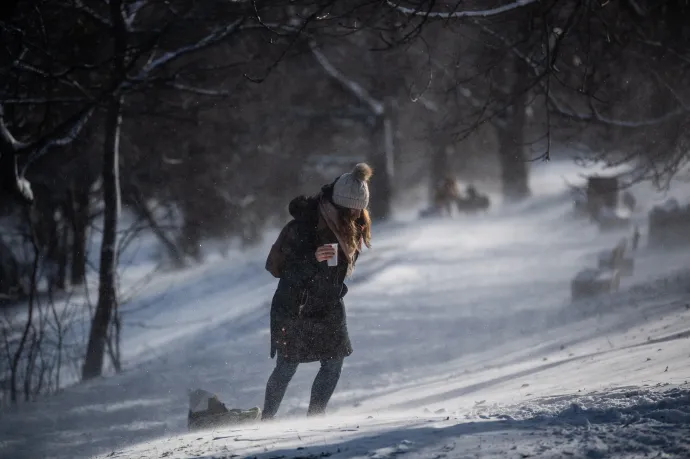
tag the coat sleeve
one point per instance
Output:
(302, 271)
(301, 268)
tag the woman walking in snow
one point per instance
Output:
(308, 321)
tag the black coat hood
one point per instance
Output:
(305, 208)
(302, 207)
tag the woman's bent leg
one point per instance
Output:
(324, 384)
(276, 387)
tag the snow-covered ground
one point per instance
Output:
(466, 345)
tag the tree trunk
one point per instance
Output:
(511, 138)
(514, 173)
(62, 254)
(49, 239)
(107, 294)
(191, 234)
(10, 277)
(12, 187)
(80, 220)
(141, 208)
(439, 165)
(14, 364)
(382, 161)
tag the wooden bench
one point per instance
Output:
(669, 226)
(594, 281)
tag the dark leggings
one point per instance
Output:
(321, 391)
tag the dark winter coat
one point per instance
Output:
(308, 321)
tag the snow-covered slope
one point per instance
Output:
(466, 345)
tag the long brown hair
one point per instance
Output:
(355, 228)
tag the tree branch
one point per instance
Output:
(200, 91)
(64, 134)
(209, 40)
(594, 115)
(7, 141)
(40, 100)
(352, 86)
(132, 11)
(460, 14)
(641, 12)
(10, 181)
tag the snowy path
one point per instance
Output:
(626, 423)
(471, 316)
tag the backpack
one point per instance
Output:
(276, 258)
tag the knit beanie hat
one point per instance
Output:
(351, 190)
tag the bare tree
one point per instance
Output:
(577, 65)
(124, 79)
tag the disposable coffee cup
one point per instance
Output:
(333, 261)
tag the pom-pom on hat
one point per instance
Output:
(351, 190)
